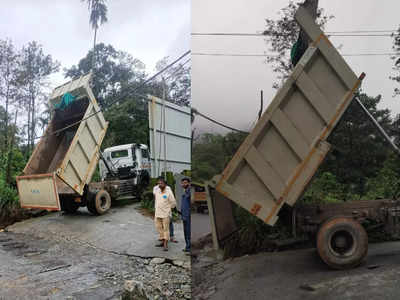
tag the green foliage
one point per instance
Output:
(147, 201)
(359, 150)
(396, 59)
(387, 182)
(211, 152)
(324, 189)
(114, 72)
(281, 34)
(98, 12)
(177, 82)
(127, 123)
(96, 175)
(8, 195)
(253, 235)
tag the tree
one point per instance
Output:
(176, 80)
(396, 59)
(211, 153)
(128, 123)
(115, 72)
(33, 76)
(98, 16)
(282, 34)
(359, 150)
(115, 75)
(9, 88)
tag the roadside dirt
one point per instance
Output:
(12, 215)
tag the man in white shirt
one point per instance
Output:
(163, 204)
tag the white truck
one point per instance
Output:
(59, 172)
(130, 161)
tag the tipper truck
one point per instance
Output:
(280, 156)
(59, 172)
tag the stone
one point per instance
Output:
(178, 263)
(157, 261)
(134, 290)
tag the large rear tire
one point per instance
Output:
(342, 243)
(99, 203)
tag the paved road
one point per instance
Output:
(299, 275)
(200, 226)
(123, 230)
(85, 257)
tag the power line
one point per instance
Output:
(177, 70)
(265, 55)
(361, 31)
(195, 111)
(332, 33)
(133, 91)
(355, 33)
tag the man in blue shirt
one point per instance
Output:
(185, 212)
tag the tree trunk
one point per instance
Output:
(10, 151)
(29, 129)
(33, 123)
(94, 49)
(6, 120)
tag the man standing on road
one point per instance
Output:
(164, 202)
(186, 213)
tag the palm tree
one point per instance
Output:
(98, 16)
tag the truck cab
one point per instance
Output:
(130, 161)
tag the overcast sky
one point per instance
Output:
(148, 30)
(228, 88)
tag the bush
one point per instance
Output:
(386, 184)
(8, 196)
(325, 189)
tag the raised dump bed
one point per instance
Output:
(281, 154)
(66, 156)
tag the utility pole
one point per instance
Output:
(164, 84)
(153, 136)
(262, 104)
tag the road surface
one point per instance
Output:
(200, 226)
(81, 256)
(299, 274)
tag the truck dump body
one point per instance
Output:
(64, 160)
(282, 153)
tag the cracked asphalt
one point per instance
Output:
(82, 256)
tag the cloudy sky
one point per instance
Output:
(148, 30)
(228, 88)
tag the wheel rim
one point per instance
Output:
(342, 243)
(103, 202)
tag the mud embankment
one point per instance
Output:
(13, 214)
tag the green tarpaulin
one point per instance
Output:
(66, 100)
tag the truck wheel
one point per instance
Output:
(99, 203)
(342, 243)
(68, 205)
(90, 203)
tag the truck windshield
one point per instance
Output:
(145, 153)
(119, 154)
